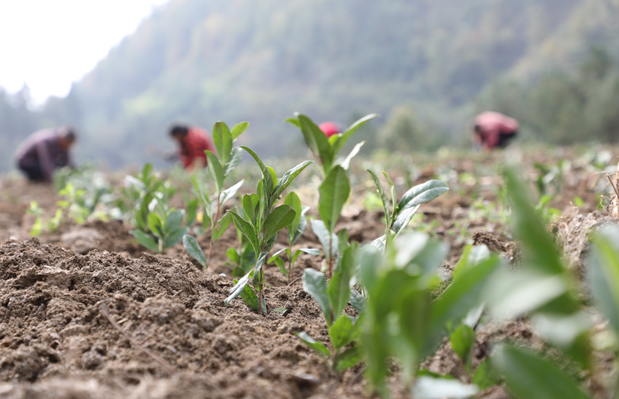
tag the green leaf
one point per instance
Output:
(348, 359)
(266, 174)
(155, 225)
(238, 288)
(223, 141)
(421, 193)
(357, 300)
(229, 193)
(485, 376)
(174, 220)
(327, 240)
(145, 240)
(235, 160)
(383, 197)
(439, 388)
(250, 203)
(539, 248)
(394, 198)
(276, 255)
(216, 170)
(471, 256)
(232, 255)
(251, 299)
(462, 295)
(339, 292)
(221, 227)
(529, 376)
(301, 226)
(346, 163)
(334, 192)
(315, 284)
(191, 211)
(294, 201)
(259, 263)
(246, 229)
(193, 248)
(462, 340)
(239, 129)
(293, 121)
(603, 273)
(280, 264)
(310, 251)
(403, 219)
(175, 236)
(317, 142)
(342, 332)
(288, 178)
(337, 146)
(279, 218)
(318, 347)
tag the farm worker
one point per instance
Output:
(44, 151)
(193, 142)
(330, 128)
(493, 129)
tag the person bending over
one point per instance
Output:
(494, 130)
(44, 151)
(193, 142)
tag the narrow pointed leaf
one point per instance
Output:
(221, 227)
(230, 193)
(223, 141)
(175, 236)
(318, 347)
(216, 170)
(246, 229)
(421, 193)
(341, 333)
(239, 129)
(317, 142)
(145, 240)
(327, 240)
(266, 174)
(350, 131)
(529, 376)
(279, 218)
(334, 192)
(193, 248)
(288, 178)
(236, 156)
(346, 162)
(315, 284)
(383, 197)
(339, 292)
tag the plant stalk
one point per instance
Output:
(210, 247)
(289, 263)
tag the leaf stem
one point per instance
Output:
(210, 248)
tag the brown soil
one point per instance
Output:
(53, 331)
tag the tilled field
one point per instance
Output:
(88, 313)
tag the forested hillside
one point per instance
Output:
(199, 61)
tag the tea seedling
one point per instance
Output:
(262, 221)
(218, 168)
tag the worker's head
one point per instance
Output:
(477, 129)
(66, 136)
(178, 132)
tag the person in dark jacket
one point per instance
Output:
(193, 142)
(44, 151)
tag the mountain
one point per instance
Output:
(200, 61)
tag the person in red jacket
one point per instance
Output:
(193, 141)
(330, 128)
(493, 130)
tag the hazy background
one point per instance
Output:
(427, 66)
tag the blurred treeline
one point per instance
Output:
(425, 65)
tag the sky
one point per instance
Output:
(49, 44)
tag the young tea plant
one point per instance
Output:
(326, 149)
(218, 168)
(399, 214)
(52, 225)
(405, 318)
(332, 299)
(165, 227)
(261, 223)
(295, 230)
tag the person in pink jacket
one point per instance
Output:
(494, 130)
